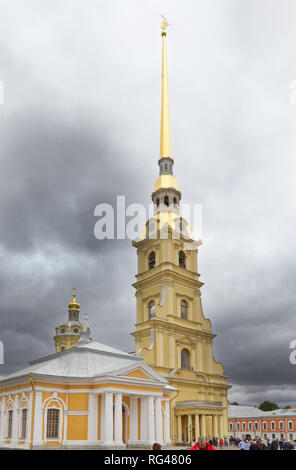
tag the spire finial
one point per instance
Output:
(165, 126)
(74, 293)
(164, 24)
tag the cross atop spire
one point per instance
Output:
(165, 126)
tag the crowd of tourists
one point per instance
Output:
(262, 444)
(244, 444)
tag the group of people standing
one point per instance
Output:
(262, 444)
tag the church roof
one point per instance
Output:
(84, 361)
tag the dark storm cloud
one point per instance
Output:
(80, 125)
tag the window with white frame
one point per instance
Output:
(256, 426)
(24, 423)
(230, 427)
(264, 424)
(52, 428)
(281, 425)
(272, 426)
(238, 426)
(250, 425)
(290, 425)
(243, 426)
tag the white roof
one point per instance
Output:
(86, 360)
(244, 411)
(253, 412)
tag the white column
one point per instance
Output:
(118, 419)
(190, 429)
(102, 417)
(92, 435)
(221, 426)
(215, 426)
(15, 421)
(37, 436)
(134, 419)
(158, 421)
(143, 419)
(167, 422)
(150, 421)
(2, 420)
(179, 429)
(29, 422)
(203, 426)
(197, 432)
(108, 434)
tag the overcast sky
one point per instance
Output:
(80, 125)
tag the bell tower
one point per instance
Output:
(68, 333)
(171, 332)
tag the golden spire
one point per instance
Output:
(165, 126)
(74, 305)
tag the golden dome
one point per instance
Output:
(73, 305)
(166, 182)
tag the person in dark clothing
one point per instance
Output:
(287, 446)
(274, 444)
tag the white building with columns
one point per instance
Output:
(90, 396)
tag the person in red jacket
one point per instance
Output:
(202, 444)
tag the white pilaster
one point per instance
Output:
(118, 419)
(102, 417)
(2, 421)
(158, 421)
(167, 422)
(150, 421)
(134, 420)
(37, 436)
(143, 419)
(92, 435)
(108, 434)
(15, 421)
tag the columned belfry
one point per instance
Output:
(171, 332)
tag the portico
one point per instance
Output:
(194, 420)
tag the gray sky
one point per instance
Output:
(80, 125)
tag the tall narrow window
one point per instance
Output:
(166, 200)
(157, 201)
(182, 260)
(152, 260)
(184, 309)
(10, 418)
(151, 309)
(24, 423)
(184, 359)
(52, 430)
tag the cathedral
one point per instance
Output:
(170, 390)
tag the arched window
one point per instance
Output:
(62, 348)
(264, 426)
(182, 260)
(244, 426)
(152, 260)
(150, 308)
(157, 201)
(9, 424)
(166, 200)
(184, 359)
(52, 428)
(175, 200)
(24, 423)
(184, 309)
